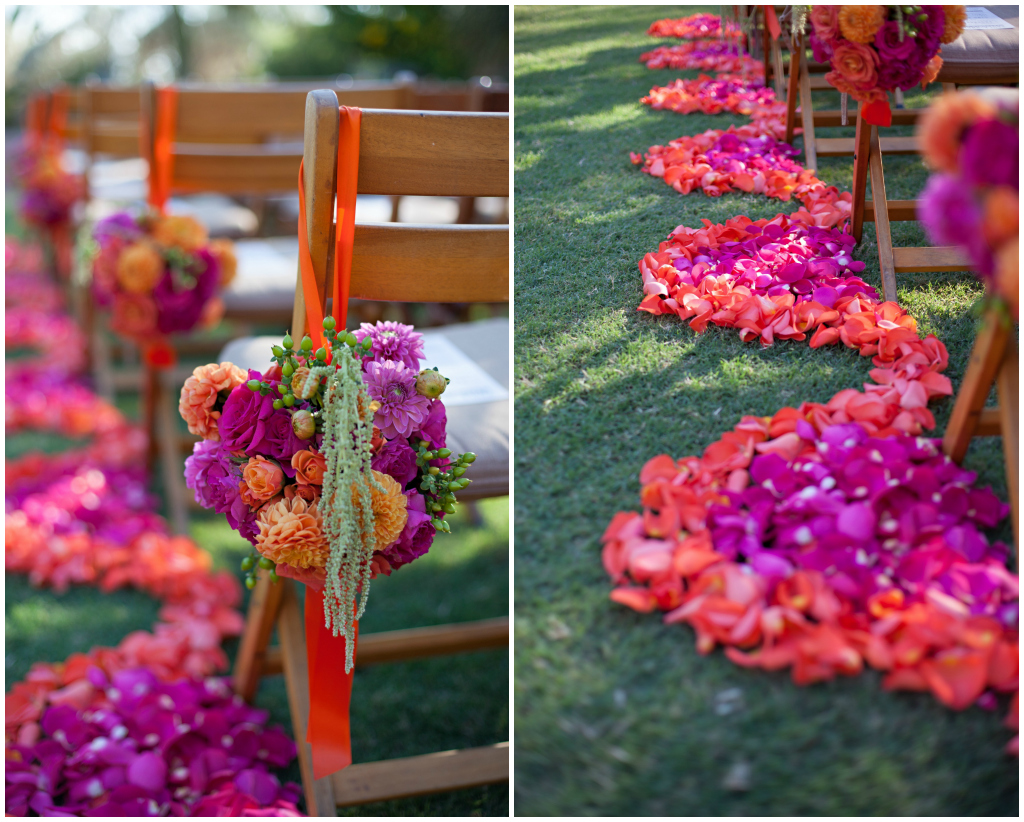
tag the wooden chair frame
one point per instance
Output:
(994, 360)
(426, 160)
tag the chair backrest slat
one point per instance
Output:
(443, 154)
(111, 120)
(425, 153)
(398, 262)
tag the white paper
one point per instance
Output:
(980, 18)
(468, 383)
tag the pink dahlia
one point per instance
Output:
(393, 341)
(392, 384)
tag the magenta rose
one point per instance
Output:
(243, 422)
(434, 427)
(889, 45)
(398, 460)
(180, 305)
(989, 155)
(279, 440)
(418, 535)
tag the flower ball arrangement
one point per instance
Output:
(48, 191)
(331, 463)
(877, 49)
(972, 199)
(159, 274)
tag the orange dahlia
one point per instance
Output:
(291, 532)
(941, 126)
(199, 395)
(956, 17)
(1008, 274)
(859, 24)
(139, 268)
(389, 510)
(183, 232)
(1001, 219)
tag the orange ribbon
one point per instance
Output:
(771, 20)
(330, 688)
(35, 116)
(58, 119)
(162, 157)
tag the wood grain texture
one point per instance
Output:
(832, 118)
(793, 86)
(250, 664)
(940, 258)
(861, 158)
(434, 153)
(881, 215)
(986, 359)
(807, 115)
(417, 775)
(412, 263)
(417, 643)
(1008, 386)
(291, 629)
(898, 210)
(845, 146)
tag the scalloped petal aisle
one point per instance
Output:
(143, 729)
(830, 536)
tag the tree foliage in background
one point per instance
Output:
(445, 42)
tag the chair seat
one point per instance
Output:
(265, 282)
(480, 427)
(981, 56)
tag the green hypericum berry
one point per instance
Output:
(287, 341)
(278, 404)
(250, 582)
(253, 385)
(424, 443)
(281, 388)
(273, 576)
(435, 507)
(434, 470)
(449, 507)
(247, 563)
(444, 452)
(469, 457)
(458, 470)
(278, 351)
(306, 344)
(266, 564)
(289, 400)
(288, 369)
(367, 343)
(321, 354)
(329, 323)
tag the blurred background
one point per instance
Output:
(48, 45)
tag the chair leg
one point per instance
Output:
(150, 400)
(1007, 384)
(170, 457)
(862, 151)
(264, 606)
(101, 362)
(291, 629)
(882, 231)
(807, 115)
(793, 88)
(986, 358)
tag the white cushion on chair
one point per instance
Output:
(265, 282)
(482, 428)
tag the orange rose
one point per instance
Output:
(212, 313)
(859, 24)
(200, 393)
(943, 122)
(182, 232)
(857, 63)
(134, 315)
(291, 532)
(309, 467)
(306, 492)
(139, 268)
(263, 479)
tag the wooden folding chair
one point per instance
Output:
(805, 78)
(993, 361)
(401, 152)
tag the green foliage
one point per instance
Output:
(615, 712)
(448, 42)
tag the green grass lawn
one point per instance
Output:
(397, 710)
(615, 712)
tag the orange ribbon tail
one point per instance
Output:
(330, 688)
